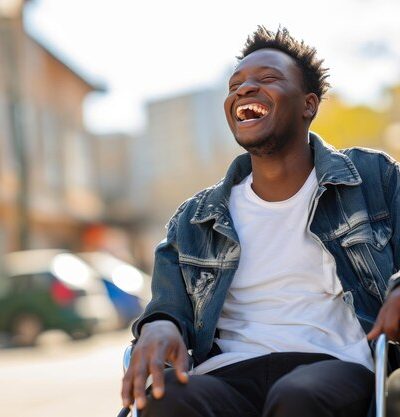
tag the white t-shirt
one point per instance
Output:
(285, 295)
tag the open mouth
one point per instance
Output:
(250, 112)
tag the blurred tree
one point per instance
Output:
(394, 107)
(392, 133)
(345, 126)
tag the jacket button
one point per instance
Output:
(200, 324)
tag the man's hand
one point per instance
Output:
(388, 320)
(159, 341)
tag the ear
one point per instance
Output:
(311, 106)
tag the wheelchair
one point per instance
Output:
(387, 389)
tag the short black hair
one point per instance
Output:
(314, 75)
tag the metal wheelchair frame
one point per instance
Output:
(381, 353)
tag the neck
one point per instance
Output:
(279, 176)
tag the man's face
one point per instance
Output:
(266, 102)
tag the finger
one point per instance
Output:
(391, 326)
(139, 382)
(375, 332)
(377, 329)
(156, 368)
(181, 365)
(127, 389)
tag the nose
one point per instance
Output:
(247, 87)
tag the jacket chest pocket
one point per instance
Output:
(366, 246)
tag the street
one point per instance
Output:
(62, 378)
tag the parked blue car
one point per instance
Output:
(128, 288)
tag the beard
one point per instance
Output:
(266, 146)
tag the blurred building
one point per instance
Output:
(113, 158)
(59, 184)
(187, 146)
(47, 176)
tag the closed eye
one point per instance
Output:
(234, 86)
(269, 78)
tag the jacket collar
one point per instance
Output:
(331, 167)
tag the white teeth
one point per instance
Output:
(253, 107)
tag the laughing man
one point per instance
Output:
(280, 277)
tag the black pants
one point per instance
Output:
(275, 385)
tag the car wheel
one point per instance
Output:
(25, 329)
(80, 334)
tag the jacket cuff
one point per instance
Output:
(394, 282)
(141, 321)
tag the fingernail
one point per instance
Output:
(140, 403)
(157, 392)
(183, 378)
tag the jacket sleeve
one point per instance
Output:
(393, 193)
(170, 300)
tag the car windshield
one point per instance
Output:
(29, 282)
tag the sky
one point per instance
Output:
(146, 50)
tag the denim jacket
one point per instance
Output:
(355, 214)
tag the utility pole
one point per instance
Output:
(10, 33)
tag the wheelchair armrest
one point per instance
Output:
(381, 351)
(127, 357)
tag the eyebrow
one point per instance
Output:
(265, 67)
